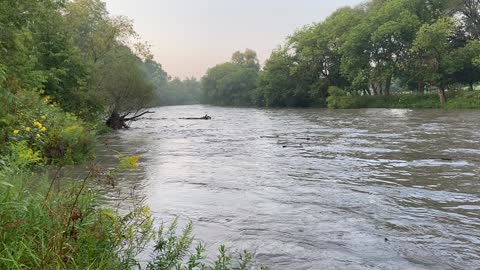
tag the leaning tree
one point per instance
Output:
(124, 88)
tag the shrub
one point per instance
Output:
(37, 121)
(464, 100)
(339, 99)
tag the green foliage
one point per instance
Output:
(75, 52)
(43, 227)
(232, 83)
(376, 49)
(339, 99)
(181, 92)
(416, 101)
(172, 251)
(464, 100)
(122, 83)
(37, 232)
(129, 162)
(277, 84)
(432, 46)
(37, 122)
(20, 156)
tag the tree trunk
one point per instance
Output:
(117, 121)
(388, 85)
(442, 95)
(374, 88)
(471, 86)
(421, 87)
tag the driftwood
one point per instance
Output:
(205, 117)
(117, 121)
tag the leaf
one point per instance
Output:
(3, 183)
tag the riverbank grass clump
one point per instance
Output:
(460, 99)
(45, 226)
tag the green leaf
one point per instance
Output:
(3, 183)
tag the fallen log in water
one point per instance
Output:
(206, 117)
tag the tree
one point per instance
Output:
(315, 49)
(277, 85)
(434, 51)
(377, 47)
(464, 58)
(247, 59)
(232, 83)
(470, 16)
(123, 87)
(95, 31)
(181, 92)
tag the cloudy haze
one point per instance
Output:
(189, 36)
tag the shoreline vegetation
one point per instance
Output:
(70, 71)
(379, 54)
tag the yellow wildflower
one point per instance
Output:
(27, 129)
(43, 129)
(16, 131)
(38, 135)
(37, 124)
(43, 117)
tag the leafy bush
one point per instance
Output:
(339, 99)
(464, 100)
(37, 121)
(417, 101)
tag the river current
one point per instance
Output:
(313, 188)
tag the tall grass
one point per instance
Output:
(46, 227)
(460, 99)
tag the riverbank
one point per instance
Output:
(455, 100)
(47, 222)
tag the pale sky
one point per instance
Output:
(189, 36)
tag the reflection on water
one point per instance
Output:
(315, 189)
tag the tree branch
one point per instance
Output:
(137, 116)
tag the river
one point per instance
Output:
(314, 188)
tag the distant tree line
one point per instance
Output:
(377, 49)
(181, 92)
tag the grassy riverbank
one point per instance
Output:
(46, 223)
(455, 100)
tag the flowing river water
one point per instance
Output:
(312, 188)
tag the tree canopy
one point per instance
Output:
(77, 54)
(234, 82)
(378, 48)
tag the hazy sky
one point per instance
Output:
(189, 36)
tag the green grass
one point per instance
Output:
(46, 223)
(455, 100)
(42, 229)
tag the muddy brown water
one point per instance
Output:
(312, 188)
